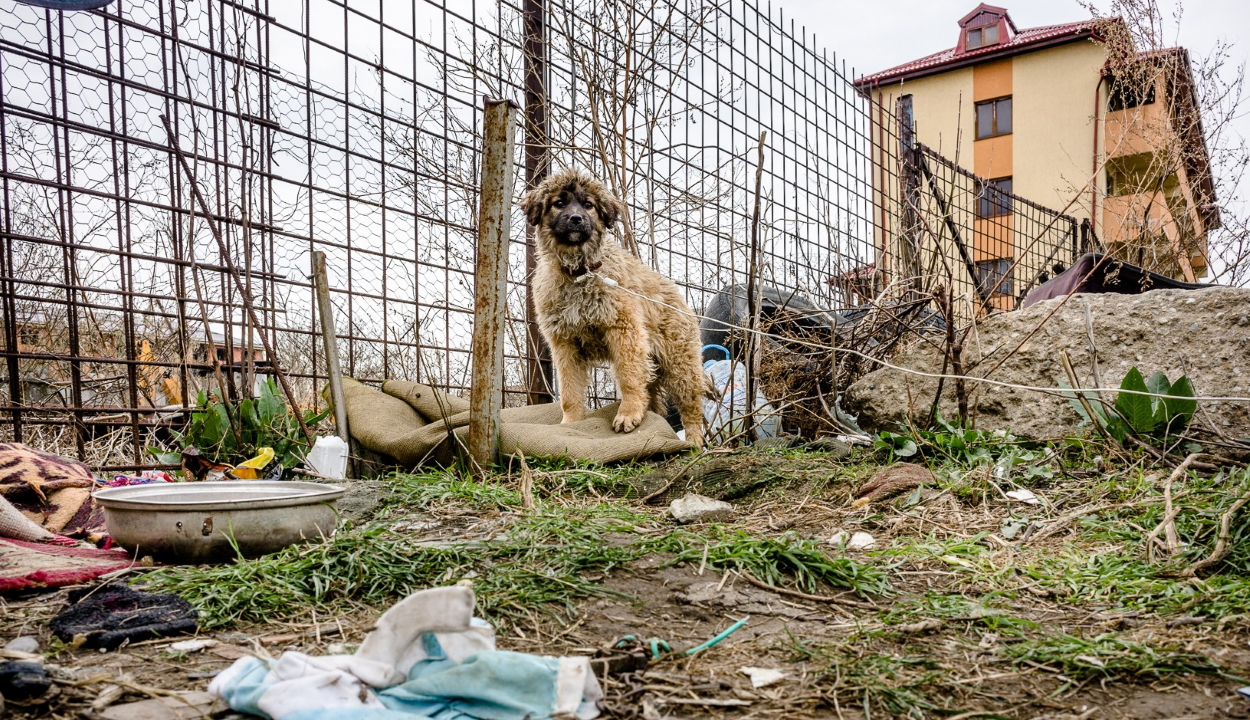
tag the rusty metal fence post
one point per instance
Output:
(490, 293)
(539, 374)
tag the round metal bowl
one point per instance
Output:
(205, 521)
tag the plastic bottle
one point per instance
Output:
(328, 457)
(724, 417)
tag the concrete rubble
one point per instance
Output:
(1202, 333)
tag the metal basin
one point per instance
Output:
(204, 521)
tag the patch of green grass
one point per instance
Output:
(784, 561)
(957, 608)
(421, 489)
(1106, 656)
(538, 564)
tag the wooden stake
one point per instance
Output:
(490, 302)
(330, 338)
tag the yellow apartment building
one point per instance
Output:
(1074, 118)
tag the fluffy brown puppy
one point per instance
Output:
(653, 349)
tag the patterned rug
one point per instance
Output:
(33, 565)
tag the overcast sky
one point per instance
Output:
(856, 31)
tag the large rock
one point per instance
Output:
(1206, 332)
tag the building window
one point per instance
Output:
(994, 276)
(995, 198)
(1130, 93)
(993, 118)
(982, 36)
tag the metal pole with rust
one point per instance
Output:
(330, 338)
(491, 283)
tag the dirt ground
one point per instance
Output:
(974, 625)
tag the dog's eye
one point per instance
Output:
(589, 206)
(559, 203)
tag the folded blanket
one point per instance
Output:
(52, 492)
(427, 658)
(416, 423)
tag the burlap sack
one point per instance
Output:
(415, 424)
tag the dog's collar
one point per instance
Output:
(580, 270)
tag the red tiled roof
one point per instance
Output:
(933, 63)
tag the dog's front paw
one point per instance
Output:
(624, 423)
(572, 417)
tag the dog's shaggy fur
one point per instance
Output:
(653, 349)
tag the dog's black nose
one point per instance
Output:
(576, 220)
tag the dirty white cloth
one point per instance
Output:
(427, 658)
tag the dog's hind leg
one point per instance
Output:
(573, 375)
(686, 388)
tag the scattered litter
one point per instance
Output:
(723, 415)
(23, 644)
(181, 706)
(196, 466)
(630, 654)
(714, 641)
(861, 541)
(147, 477)
(328, 457)
(762, 677)
(699, 508)
(190, 646)
(23, 680)
(428, 656)
(261, 467)
(1025, 496)
(108, 616)
(1012, 527)
(852, 541)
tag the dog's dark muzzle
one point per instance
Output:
(572, 228)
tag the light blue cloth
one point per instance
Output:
(453, 673)
(495, 685)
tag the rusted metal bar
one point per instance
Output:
(539, 376)
(330, 340)
(490, 294)
(238, 281)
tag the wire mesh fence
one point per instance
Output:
(353, 128)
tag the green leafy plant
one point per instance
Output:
(953, 442)
(227, 432)
(1142, 415)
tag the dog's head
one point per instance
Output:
(570, 209)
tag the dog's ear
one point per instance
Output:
(610, 210)
(534, 205)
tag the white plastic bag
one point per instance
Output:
(724, 417)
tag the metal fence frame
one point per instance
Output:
(352, 128)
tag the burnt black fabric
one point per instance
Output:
(109, 616)
(1098, 273)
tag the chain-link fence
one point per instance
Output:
(353, 128)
